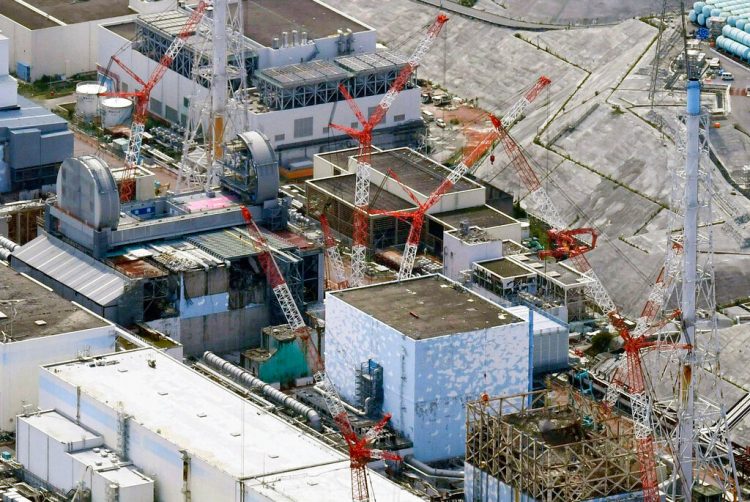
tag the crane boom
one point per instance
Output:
(142, 97)
(364, 137)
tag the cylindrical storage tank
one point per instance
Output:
(115, 111)
(715, 13)
(87, 99)
(698, 6)
(692, 16)
(740, 24)
(731, 21)
(726, 31)
(701, 19)
(706, 11)
(720, 41)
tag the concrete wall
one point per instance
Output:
(64, 50)
(220, 331)
(327, 47)
(19, 372)
(428, 382)
(459, 255)
(155, 457)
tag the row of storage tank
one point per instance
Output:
(112, 111)
(735, 13)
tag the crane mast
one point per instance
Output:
(141, 98)
(364, 137)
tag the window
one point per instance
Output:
(326, 130)
(124, 87)
(279, 137)
(186, 102)
(183, 120)
(170, 114)
(303, 127)
(155, 106)
(399, 118)
(370, 111)
(355, 125)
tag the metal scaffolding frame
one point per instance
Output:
(567, 461)
(317, 82)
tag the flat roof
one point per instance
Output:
(482, 217)
(505, 268)
(342, 186)
(29, 310)
(416, 171)
(61, 428)
(316, 18)
(376, 62)
(300, 74)
(427, 307)
(212, 423)
(551, 269)
(125, 30)
(66, 11)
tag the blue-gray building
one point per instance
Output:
(33, 143)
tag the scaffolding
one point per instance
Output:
(547, 446)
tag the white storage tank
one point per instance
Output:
(87, 99)
(115, 111)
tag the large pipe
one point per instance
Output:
(248, 381)
(4, 254)
(432, 472)
(8, 244)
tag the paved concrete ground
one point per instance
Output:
(600, 155)
(573, 12)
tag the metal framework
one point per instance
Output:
(538, 444)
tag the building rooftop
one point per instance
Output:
(72, 268)
(505, 268)
(551, 269)
(235, 436)
(316, 18)
(64, 10)
(342, 186)
(482, 217)
(377, 62)
(29, 115)
(427, 307)
(30, 310)
(125, 30)
(300, 74)
(416, 171)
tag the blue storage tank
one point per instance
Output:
(725, 30)
(731, 20)
(740, 24)
(692, 16)
(706, 11)
(699, 5)
(701, 20)
(715, 13)
(746, 29)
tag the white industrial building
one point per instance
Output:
(195, 439)
(61, 454)
(439, 345)
(296, 54)
(39, 327)
(59, 37)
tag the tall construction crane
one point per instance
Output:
(360, 450)
(417, 216)
(364, 137)
(635, 383)
(142, 96)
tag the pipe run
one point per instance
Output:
(431, 472)
(356, 411)
(247, 380)
(8, 244)
(4, 254)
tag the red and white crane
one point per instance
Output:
(141, 99)
(364, 137)
(417, 216)
(360, 450)
(632, 375)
